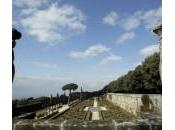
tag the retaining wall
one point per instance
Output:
(137, 103)
(87, 125)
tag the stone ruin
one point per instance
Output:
(158, 30)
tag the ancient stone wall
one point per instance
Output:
(137, 103)
(158, 31)
(87, 125)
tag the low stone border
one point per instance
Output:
(87, 125)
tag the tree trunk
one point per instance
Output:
(69, 96)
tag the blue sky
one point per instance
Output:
(87, 42)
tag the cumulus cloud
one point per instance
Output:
(152, 17)
(149, 50)
(90, 52)
(53, 22)
(149, 19)
(29, 3)
(125, 37)
(111, 19)
(27, 11)
(50, 24)
(131, 23)
(111, 58)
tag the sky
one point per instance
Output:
(88, 42)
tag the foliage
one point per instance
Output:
(114, 112)
(77, 112)
(70, 86)
(144, 79)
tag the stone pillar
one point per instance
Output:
(16, 35)
(158, 31)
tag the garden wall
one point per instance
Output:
(86, 125)
(137, 103)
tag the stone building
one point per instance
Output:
(158, 31)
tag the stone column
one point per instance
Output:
(158, 31)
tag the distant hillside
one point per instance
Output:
(144, 79)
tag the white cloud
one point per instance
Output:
(152, 17)
(44, 65)
(125, 37)
(111, 58)
(29, 3)
(111, 19)
(27, 11)
(137, 64)
(149, 50)
(131, 23)
(90, 52)
(54, 23)
(149, 19)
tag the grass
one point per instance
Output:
(77, 112)
(114, 112)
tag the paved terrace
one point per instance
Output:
(95, 114)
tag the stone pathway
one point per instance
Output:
(63, 108)
(95, 110)
(95, 114)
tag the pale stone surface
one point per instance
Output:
(63, 108)
(86, 109)
(103, 108)
(95, 115)
(95, 110)
(133, 102)
(158, 31)
(51, 110)
(87, 125)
